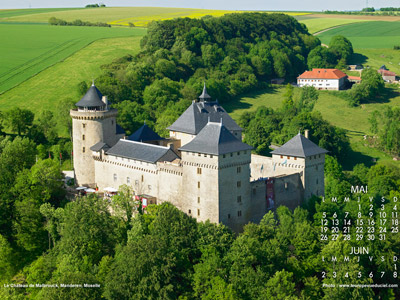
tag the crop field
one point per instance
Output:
(28, 49)
(8, 13)
(318, 24)
(60, 81)
(140, 16)
(378, 34)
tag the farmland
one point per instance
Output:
(28, 49)
(46, 89)
(378, 34)
(9, 13)
(139, 16)
(318, 24)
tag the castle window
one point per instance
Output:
(319, 155)
(198, 212)
(136, 182)
(239, 199)
(149, 187)
(231, 154)
(128, 180)
(295, 158)
(239, 213)
(83, 125)
(198, 199)
(281, 156)
(199, 171)
(205, 155)
(286, 185)
(239, 169)
(229, 216)
(254, 191)
(83, 149)
(199, 154)
(288, 157)
(142, 178)
(223, 156)
(112, 122)
(198, 184)
(239, 153)
(317, 180)
(238, 184)
(190, 211)
(211, 156)
(83, 137)
(115, 177)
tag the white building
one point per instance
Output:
(204, 168)
(323, 79)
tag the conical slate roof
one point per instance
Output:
(92, 98)
(215, 139)
(204, 95)
(299, 146)
(143, 134)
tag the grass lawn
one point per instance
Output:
(26, 50)
(367, 35)
(44, 90)
(335, 110)
(377, 57)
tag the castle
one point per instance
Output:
(203, 168)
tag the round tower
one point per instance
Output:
(93, 122)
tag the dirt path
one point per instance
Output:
(319, 32)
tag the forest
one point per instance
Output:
(160, 252)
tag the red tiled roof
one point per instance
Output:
(386, 73)
(354, 78)
(323, 74)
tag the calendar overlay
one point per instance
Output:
(362, 231)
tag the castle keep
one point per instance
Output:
(203, 168)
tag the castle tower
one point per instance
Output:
(92, 122)
(300, 155)
(216, 183)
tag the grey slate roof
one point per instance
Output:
(142, 151)
(143, 134)
(100, 145)
(92, 98)
(299, 146)
(198, 114)
(119, 129)
(215, 139)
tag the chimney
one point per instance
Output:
(306, 133)
(171, 146)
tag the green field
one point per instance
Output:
(318, 24)
(8, 13)
(368, 35)
(333, 109)
(46, 89)
(28, 49)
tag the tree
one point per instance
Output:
(307, 100)
(341, 47)
(47, 125)
(87, 230)
(19, 120)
